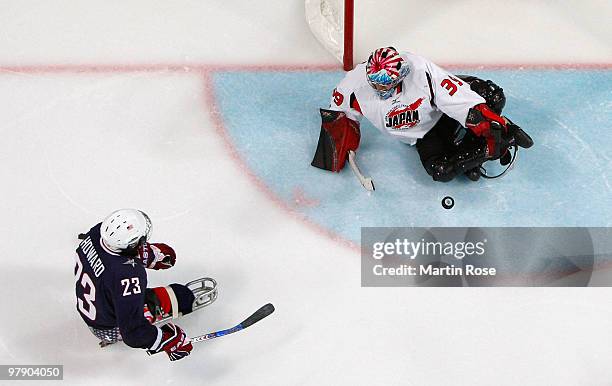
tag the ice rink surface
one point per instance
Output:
(204, 114)
(565, 180)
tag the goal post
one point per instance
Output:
(347, 60)
(331, 22)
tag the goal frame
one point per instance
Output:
(347, 57)
(332, 24)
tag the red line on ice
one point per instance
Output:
(217, 119)
(207, 70)
(202, 67)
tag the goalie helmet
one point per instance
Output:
(385, 70)
(125, 229)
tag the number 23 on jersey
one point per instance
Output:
(87, 304)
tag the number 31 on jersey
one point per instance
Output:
(450, 85)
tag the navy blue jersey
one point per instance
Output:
(110, 290)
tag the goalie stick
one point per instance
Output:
(366, 182)
(256, 317)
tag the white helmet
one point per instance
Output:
(124, 229)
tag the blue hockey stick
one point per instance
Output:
(256, 317)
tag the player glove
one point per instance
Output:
(157, 255)
(174, 342)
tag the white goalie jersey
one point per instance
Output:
(419, 102)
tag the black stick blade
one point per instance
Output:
(258, 315)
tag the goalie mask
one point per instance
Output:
(385, 70)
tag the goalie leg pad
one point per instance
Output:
(445, 168)
(339, 134)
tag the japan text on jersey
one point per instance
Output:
(419, 101)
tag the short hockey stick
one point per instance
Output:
(256, 317)
(366, 182)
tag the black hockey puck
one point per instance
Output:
(448, 202)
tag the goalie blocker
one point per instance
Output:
(338, 136)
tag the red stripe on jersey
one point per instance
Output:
(354, 104)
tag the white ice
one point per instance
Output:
(76, 145)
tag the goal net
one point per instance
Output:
(331, 22)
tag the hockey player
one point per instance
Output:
(111, 286)
(417, 102)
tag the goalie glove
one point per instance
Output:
(499, 132)
(339, 134)
(483, 122)
(157, 256)
(480, 118)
